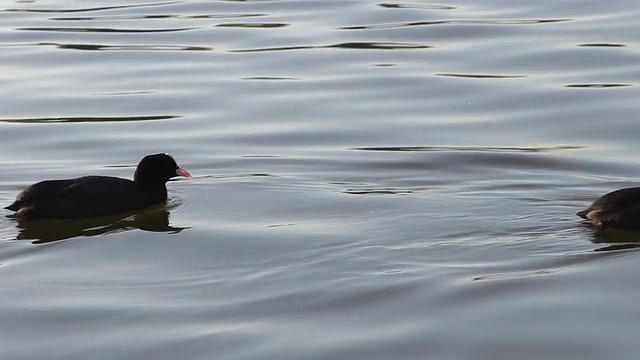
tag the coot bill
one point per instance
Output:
(90, 196)
(619, 209)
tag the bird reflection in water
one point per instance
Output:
(615, 239)
(41, 231)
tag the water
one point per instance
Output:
(371, 180)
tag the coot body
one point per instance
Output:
(619, 209)
(91, 196)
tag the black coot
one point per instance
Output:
(619, 209)
(99, 195)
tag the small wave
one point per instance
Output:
(351, 45)
(254, 25)
(89, 119)
(97, 47)
(482, 76)
(596, 85)
(602, 45)
(535, 149)
(156, 17)
(101, 30)
(101, 8)
(452, 22)
(380, 191)
(418, 6)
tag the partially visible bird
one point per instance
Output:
(619, 209)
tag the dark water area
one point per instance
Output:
(390, 180)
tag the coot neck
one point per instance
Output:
(156, 188)
(149, 183)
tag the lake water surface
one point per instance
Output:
(372, 180)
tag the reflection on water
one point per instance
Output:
(392, 180)
(89, 119)
(47, 230)
(613, 236)
(156, 17)
(254, 25)
(418, 6)
(80, 9)
(453, 22)
(596, 85)
(104, 30)
(617, 247)
(617, 239)
(602, 45)
(362, 46)
(483, 76)
(95, 47)
(509, 149)
(382, 191)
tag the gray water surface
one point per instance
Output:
(371, 180)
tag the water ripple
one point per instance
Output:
(450, 22)
(93, 8)
(602, 45)
(95, 47)
(269, 78)
(483, 76)
(157, 17)
(417, 6)
(254, 25)
(89, 119)
(380, 191)
(334, 192)
(101, 30)
(351, 45)
(492, 149)
(596, 86)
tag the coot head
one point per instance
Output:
(155, 170)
